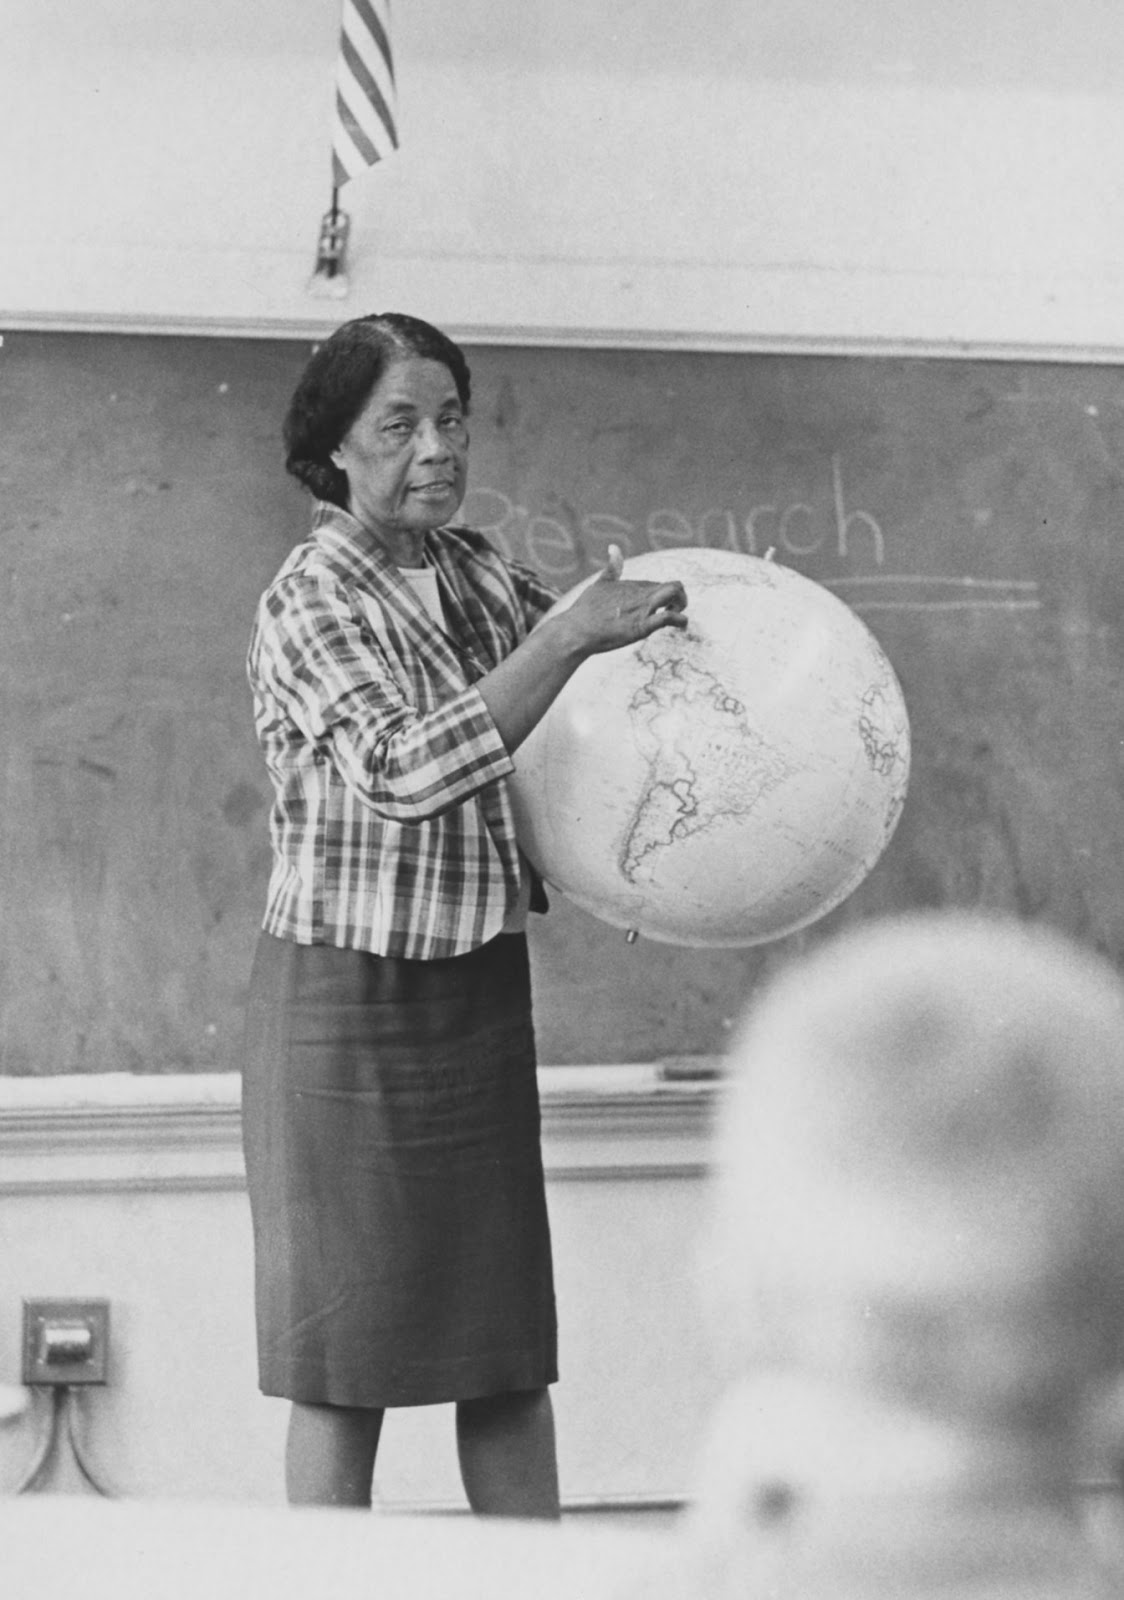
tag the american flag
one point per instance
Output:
(363, 126)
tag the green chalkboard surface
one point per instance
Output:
(972, 513)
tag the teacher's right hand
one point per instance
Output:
(613, 611)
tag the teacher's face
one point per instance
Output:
(406, 453)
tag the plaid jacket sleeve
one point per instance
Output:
(406, 745)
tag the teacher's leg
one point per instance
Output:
(330, 1455)
(506, 1447)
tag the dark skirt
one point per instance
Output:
(391, 1132)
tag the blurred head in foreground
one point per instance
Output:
(916, 1269)
(920, 1191)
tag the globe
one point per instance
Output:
(728, 783)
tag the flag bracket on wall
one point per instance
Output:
(329, 278)
(364, 127)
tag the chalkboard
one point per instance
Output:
(971, 512)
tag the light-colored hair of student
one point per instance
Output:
(920, 1186)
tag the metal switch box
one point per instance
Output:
(65, 1341)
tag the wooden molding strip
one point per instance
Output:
(319, 325)
(183, 1131)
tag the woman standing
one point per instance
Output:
(391, 1115)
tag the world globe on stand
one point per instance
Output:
(726, 784)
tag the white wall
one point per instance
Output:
(132, 1189)
(714, 173)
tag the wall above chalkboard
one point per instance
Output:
(972, 513)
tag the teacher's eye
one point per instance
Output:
(400, 429)
(453, 422)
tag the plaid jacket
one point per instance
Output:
(391, 826)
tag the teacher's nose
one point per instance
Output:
(430, 441)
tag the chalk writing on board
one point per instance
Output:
(906, 591)
(563, 547)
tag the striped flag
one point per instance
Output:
(363, 126)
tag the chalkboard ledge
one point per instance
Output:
(117, 1131)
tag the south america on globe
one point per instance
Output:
(724, 784)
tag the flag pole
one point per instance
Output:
(364, 127)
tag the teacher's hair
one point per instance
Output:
(337, 383)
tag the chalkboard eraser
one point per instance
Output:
(689, 1069)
